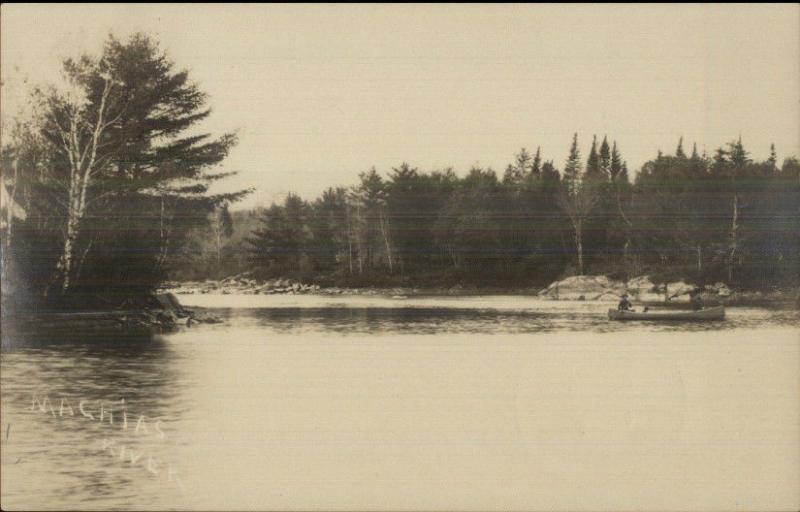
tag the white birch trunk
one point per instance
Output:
(83, 164)
(384, 232)
(734, 235)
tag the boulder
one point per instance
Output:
(722, 289)
(642, 289)
(582, 288)
(641, 284)
(609, 297)
(679, 291)
(648, 296)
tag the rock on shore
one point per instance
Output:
(640, 289)
(242, 284)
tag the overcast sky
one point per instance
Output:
(319, 93)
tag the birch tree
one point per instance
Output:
(577, 197)
(221, 228)
(128, 180)
(80, 135)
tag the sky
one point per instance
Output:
(319, 93)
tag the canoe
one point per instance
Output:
(715, 313)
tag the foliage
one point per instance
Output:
(684, 217)
(115, 176)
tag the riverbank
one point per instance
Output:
(575, 288)
(161, 313)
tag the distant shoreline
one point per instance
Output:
(785, 299)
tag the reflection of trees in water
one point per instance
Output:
(63, 446)
(142, 371)
(402, 320)
(478, 321)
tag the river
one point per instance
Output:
(309, 402)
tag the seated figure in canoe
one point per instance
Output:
(626, 305)
(695, 300)
(625, 311)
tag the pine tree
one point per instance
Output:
(773, 158)
(537, 161)
(695, 156)
(721, 157)
(267, 243)
(616, 162)
(280, 243)
(406, 202)
(329, 228)
(550, 173)
(605, 158)
(738, 155)
(122, 145)
(572, 168)
(519, 170)
(679, 150)
(372, 194)
(593, 162)
(620, 227)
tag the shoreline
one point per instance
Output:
(784, 299)
(170, 313)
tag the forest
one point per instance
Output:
(683, 215)
(106, 186)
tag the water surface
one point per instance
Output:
(439, 403)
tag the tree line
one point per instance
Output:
(684, 216)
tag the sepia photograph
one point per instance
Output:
(400, 257)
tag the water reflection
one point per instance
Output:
(361, 395)
(64, 400)
(455, 320)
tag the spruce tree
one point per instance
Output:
(738, 155)
(279, 244)
(537, 161)
(679, 150)
(515, 173)
(572, 168)
(593, 162)
(616, 162)
(773, 158)
(605, 158)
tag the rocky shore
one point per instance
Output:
(245, 285)
(590, 288)
(642, 289)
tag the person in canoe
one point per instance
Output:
(624, 304)
(695, 301)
